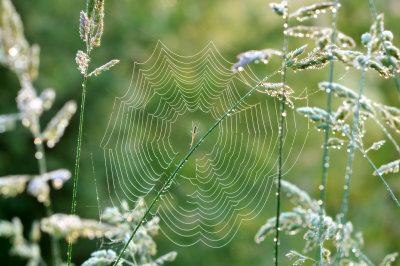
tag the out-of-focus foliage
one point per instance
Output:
(116, 225)
(305, 217)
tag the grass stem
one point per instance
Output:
(325, 156)
(282, 116)
(41, 158)
(349, 166)
(78, 156)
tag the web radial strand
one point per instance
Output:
(171, 102)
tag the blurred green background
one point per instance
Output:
(132, 29)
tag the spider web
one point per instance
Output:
(228, 179)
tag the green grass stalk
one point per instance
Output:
(41, 158)
(78, 156)
(325, 156)
(349, 166)
(282, 116)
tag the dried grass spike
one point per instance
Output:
(82, 60)
(337, 89)
(84, 26)
(104, 67)
(56, 127)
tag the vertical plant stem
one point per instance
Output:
(41, 157)
(282, 116)
(325, 156)
(78, 156)
(169, 180)
(349, 166)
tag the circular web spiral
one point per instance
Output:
(172, 101)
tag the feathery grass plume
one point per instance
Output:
(376, 145)
(338, 90)
(295, 53)
(104, 67)
(27, 250)
(15, 51)
(72, 227)
(293, 56)
(101, 257)
(334, 143)
(84, 26)
(91, 25)
(298, 196)
(13, 185)
(277, 89)
(289, 222)
(305, 217)
(47, 96)
(392, 167)
(385, 53)
(106, 257)
(57, 125)
(391, 116)
(8, 122)
(321, 35)
(82, 60)
(315, 114)
(389, 259)
(315, 60)
(254, 56)
(116, 225)
(312, 11)
(297, 258)
(23, 59)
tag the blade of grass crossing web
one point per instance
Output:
(180, 165)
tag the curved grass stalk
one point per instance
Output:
(325, 156)
(379, 174)
(349, 166)
(169, 180)
(359, 253)
(388, 135)
(282, 116)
